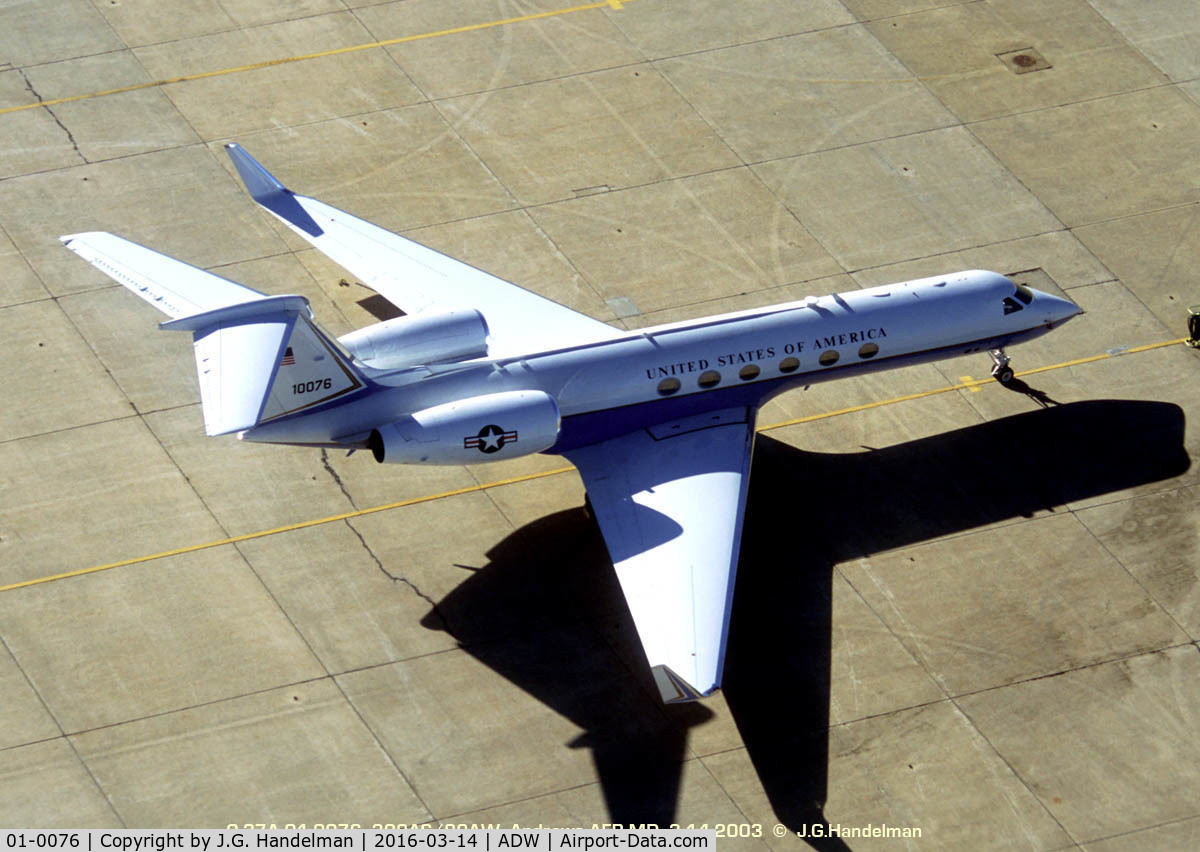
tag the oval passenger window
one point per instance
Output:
(708, 378)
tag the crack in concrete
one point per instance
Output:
(340, 484)
(397, 579)
(378, 562)
(57, 120)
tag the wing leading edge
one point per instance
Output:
(416, 278)
(670, 501)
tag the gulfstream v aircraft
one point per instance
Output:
(659, 421)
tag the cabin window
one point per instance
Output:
(789, 365)
(709, 378)
(829, 356)
(1011, 306)
(750, 371)
(868, 350)
(668, 386)
(1024, 294)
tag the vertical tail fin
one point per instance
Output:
(262, 360)
(259, 357)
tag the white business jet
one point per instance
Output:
(659, 421)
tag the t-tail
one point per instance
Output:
(259, 358)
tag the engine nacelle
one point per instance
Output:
(483, 428)
(426, 338)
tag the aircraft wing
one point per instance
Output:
(669, 501)
(176, 288)
(416, 278)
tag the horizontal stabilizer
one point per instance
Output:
(258, 357)
(229, 314)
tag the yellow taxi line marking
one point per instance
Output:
(973, 385)
(357, 513)
(254, 66)
(967, 384)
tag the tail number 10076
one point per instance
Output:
(314, 385)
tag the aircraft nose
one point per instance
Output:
(1057, 309)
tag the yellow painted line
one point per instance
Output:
(967, 384)
(970, 382)
(192, 548)
(304, 57)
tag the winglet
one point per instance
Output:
(270, 193)
(673, 688)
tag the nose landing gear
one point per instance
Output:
(1001, 371)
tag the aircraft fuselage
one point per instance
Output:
(656, 374)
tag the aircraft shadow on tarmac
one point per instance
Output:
(547, 612)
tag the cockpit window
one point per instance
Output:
(1011, 306)
(1024, 294)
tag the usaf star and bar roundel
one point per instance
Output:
(491, 439)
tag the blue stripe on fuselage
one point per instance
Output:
(580, 430)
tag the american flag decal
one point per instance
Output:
(288, 358)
